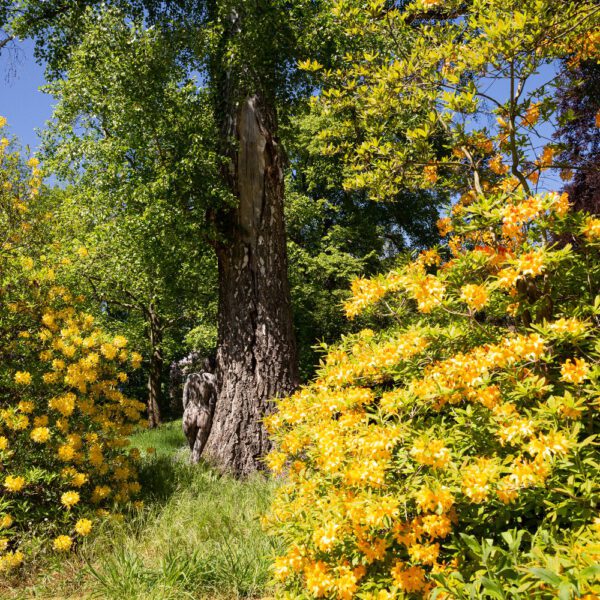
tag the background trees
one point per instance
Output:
(132, 131)
(136, 126)
(336, 234)
(153, 288)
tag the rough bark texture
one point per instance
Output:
(256, 358)
(194, 362)
(199, 399)
(155, 373)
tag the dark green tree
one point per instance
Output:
(335, 235)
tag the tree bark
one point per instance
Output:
(156, 369)
(199, 399)
(256, 356)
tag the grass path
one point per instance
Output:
(198, 536)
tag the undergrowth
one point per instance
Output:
(198, 536)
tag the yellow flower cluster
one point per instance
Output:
(431, 452)
(574, 371)
(428, 291)
(83, 527)
(531, 116)
(369, 358)
(10, 560)
(66, 409)
(366, 292)
(14, 483)
(40, 434)
(518, 213)
(413, 435)
(62, 543)
(475, 296)
(23, 377)
(591, 229)
(69, 499)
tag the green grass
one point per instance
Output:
(198, 536)
(167, 439)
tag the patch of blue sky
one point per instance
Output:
(538, 85)
(24, 105)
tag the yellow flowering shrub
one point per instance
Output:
(64, 421)
(453, 453)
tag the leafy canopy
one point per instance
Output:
(452, 452)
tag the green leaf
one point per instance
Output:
(471, 543)
(546, 576)
(590, 572)
(565, 591)
(493, 588)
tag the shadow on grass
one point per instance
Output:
(162, 476)
(198, 536)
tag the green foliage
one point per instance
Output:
(335, 235)
(319, 274)
(63, 418)
(203, 337)
(133, 131)
(198, 536)
(131, 113)
(414, 104)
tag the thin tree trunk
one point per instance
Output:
(156, 369)
(256, 357)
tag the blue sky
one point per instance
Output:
(27, 108)
(21, 102)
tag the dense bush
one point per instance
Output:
(455, 451)
(63, 418)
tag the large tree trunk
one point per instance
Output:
(156, 369)
(256, 358)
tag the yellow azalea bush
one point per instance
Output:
(455, 452)
(64, 420)
(451, 450)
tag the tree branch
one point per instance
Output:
(6, 41)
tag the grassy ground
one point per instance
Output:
(198, 537)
